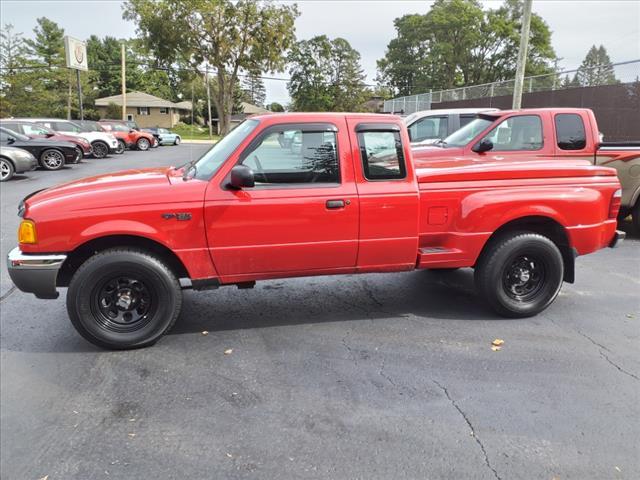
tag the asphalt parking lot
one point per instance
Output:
(356, 377)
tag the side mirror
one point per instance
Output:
(10, 140)
(49, 135)
(241, 177)
(131, 130)
(484, 146)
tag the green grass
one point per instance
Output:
(193, 132)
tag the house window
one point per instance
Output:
(143, 110)
(164, 110)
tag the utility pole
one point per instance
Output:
(522, 55)
(80, 94)
(124, 83)
(206, 79)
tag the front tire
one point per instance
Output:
(177, 141)
(100, 149)
(123, 298)
(121, 147)
(519, 274)
(79, 155)
(52, 159)
(143, 144)
(6, 170)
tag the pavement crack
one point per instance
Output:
(384, 375)
(349, 349)
(9, 292)
(370, 294)
(622, 370)
(470, 425)
(593, 341)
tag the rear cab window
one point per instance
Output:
(381, 152)
(570, 131)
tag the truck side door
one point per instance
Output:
(519, 135)
(389, 198)
(302, 215)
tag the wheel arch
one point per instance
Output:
(545, 226)
(4, 157)
(80, 254)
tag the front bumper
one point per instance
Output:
(618, 237)
(33, 273)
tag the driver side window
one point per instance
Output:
(522, 132)
(291, 155)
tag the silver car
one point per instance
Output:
(15, 160)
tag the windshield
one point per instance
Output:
(462, 137)
(209, 163)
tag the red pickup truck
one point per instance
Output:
(537, 133)
(344, 199)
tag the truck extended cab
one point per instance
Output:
(346, 200)
(560, 133)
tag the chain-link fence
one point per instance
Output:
(624, 72)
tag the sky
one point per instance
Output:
(367, 25)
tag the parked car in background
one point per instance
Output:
(34, 130)
(15, 160)
(128, 123)
(102, 143)
(535, 133)
(51, 154)
(164, 136)
(129, 137)
(429, 126)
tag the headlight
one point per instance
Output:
(27, 232)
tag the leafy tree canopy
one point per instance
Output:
(457, 43)
(230, 36)
(595, 69)
(325, 75)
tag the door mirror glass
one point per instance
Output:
(484, 146)
(241, 177)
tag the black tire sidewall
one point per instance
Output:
(142, 142)
(489, 274)
(103, 145)
(45, 166)
(122, 146)
(156, 277)
(12, 169)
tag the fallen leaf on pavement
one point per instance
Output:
(495, 348)
(44, 478)
(618, 469)
(497, 342)
(132, 435)
(228, 351)
(229, 455)
(205, 332)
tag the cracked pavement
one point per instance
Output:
(356, 377)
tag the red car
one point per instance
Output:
(346, 200)
(129, 137)
(34, 130)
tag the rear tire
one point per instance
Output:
(635, 217)
(100, 149)
(143, 144)
(52, 159)
(6, 170)
(123, 298)
(177, 141)
(519, 274)
(79, 155)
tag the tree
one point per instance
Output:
(275, 107)
(596, 68)
(457, 43)
(113, 111)
(12, 59)
(229, 36)
(325, 75)
(253, 89)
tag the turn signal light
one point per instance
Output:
(27, 232)
(614, 206)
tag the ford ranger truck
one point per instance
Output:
(346, 198)
(532, 133)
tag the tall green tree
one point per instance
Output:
(253, 89)
(458, 43)
(245, 35)
(13, 59)
(325, 75)
(596, 68)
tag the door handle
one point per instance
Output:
(333, 204)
